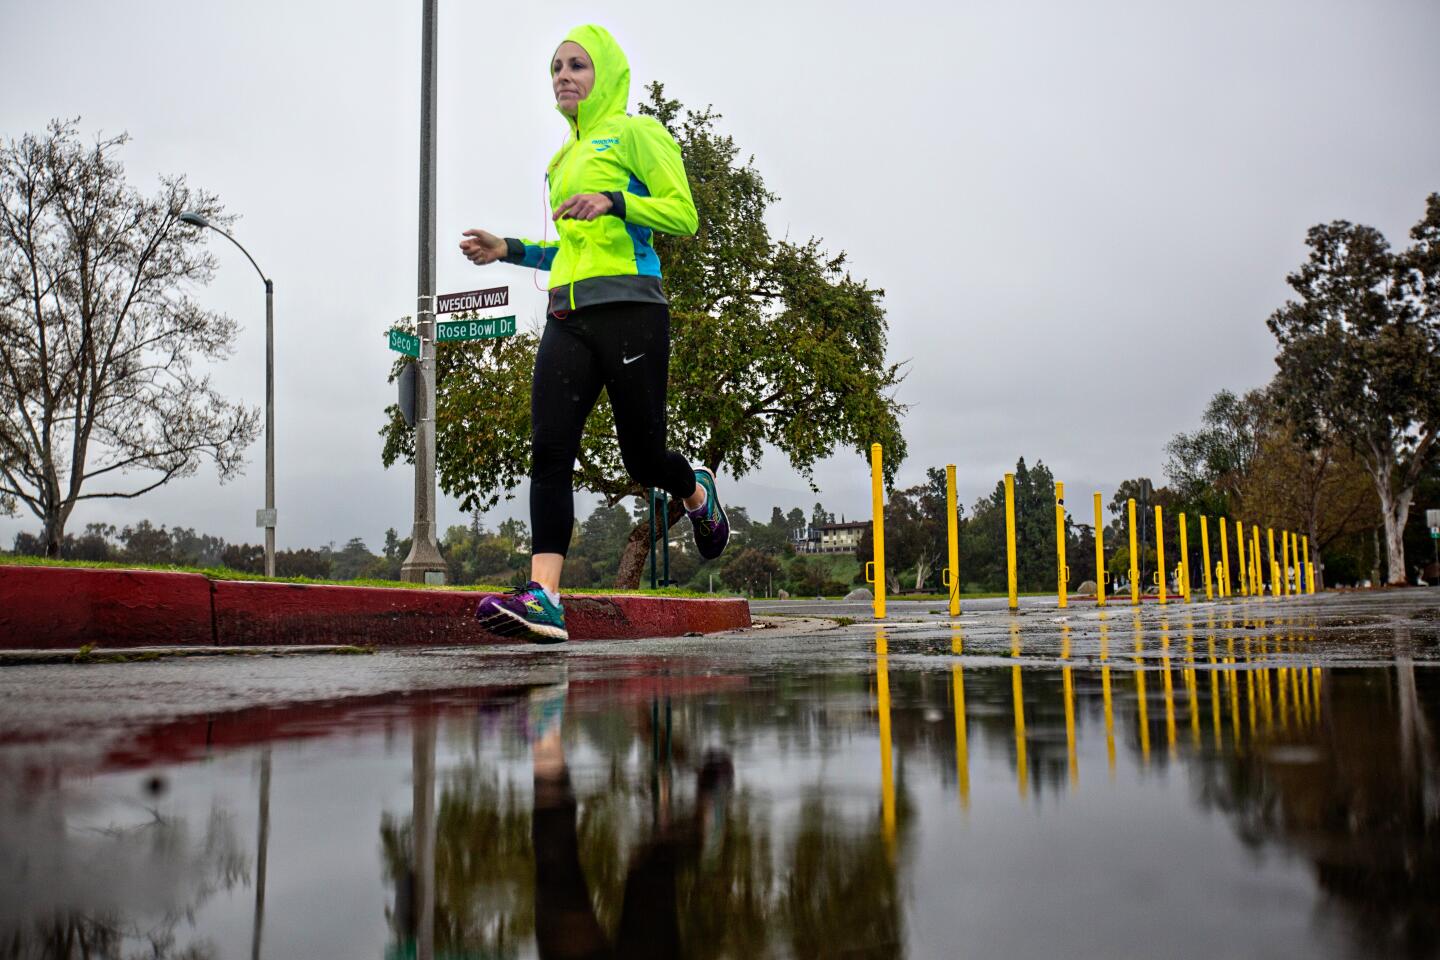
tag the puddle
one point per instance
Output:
(1215, 803)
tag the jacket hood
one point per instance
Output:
(611, 93)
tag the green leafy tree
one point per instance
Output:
(1360, 357)
(775, 343)
(346, 563)
(751, 571)
(1247, 462)
(147, 543)
(315, 564)
(102, 345)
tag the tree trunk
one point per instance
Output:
(1316, 563)
(637, 550)
(54, 534)
(1394, 510)
(634, 557)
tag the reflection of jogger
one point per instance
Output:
(565, 922)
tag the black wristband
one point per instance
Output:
(617, 202)
(514, 251)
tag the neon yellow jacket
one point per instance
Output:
(632, 160)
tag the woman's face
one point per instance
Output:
(572, 75)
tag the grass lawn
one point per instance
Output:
(225, 573)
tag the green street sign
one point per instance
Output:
(402, 342)
(487, 328)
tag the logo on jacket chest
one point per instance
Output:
(605, 144)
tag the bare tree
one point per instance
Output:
(99, 340)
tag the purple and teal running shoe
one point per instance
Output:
(712, 529)
(524, 612)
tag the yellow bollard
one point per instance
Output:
(1205, 554)
(1160, 554)
(1224, 560)
(1101, 574)
(952, 572)
(1295, 562)
(1134, 560)
(876, 574)
(1062, 573)
(1285, 563)
(1309, 570)
(1010, 540)
(1270, 539)
(1184, 568)
(1241, 567)
(1258, 588)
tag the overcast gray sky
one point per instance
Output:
(1081, 214)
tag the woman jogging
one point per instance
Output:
(616, 179)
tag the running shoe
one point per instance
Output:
(712, 529)
(524, 612)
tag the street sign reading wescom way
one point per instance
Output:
(486, 299)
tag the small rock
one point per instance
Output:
(783, 595)
(860, 594)
(1087, 589)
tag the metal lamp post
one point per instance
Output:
(263, 518)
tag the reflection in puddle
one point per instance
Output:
(697, 814)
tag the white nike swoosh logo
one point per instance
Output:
(632, 359)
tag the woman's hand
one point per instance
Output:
(584, 206)
(482, 248)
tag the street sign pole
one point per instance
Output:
(424, 563)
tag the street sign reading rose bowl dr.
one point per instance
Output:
(450, 331)
(486, 299)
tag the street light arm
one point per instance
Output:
(242, 250)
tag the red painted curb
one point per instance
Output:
(57, 607)
(44, 608)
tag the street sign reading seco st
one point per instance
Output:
(450, 331)
(402, 342)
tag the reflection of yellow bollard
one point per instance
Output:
(1100, 572)
(1160, 554)
(1069, 685)
(876, 575)
(1010, 540)
(953, 533)
(1184, 569)
(1309, 570)
(1022, 767)
(1205, 553)
(887, 773)
(1134, 560)
(1270, 540)
(1109, 719)
(962, 749)
(1144, 720)
(1169, 688)
(1062, 572)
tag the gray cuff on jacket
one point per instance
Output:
(514, 251)
(617, 202)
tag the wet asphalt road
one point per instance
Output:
(1239, 779)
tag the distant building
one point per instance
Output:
(829, 537)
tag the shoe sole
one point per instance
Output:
(506, 624)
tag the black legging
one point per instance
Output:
(625, 348)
